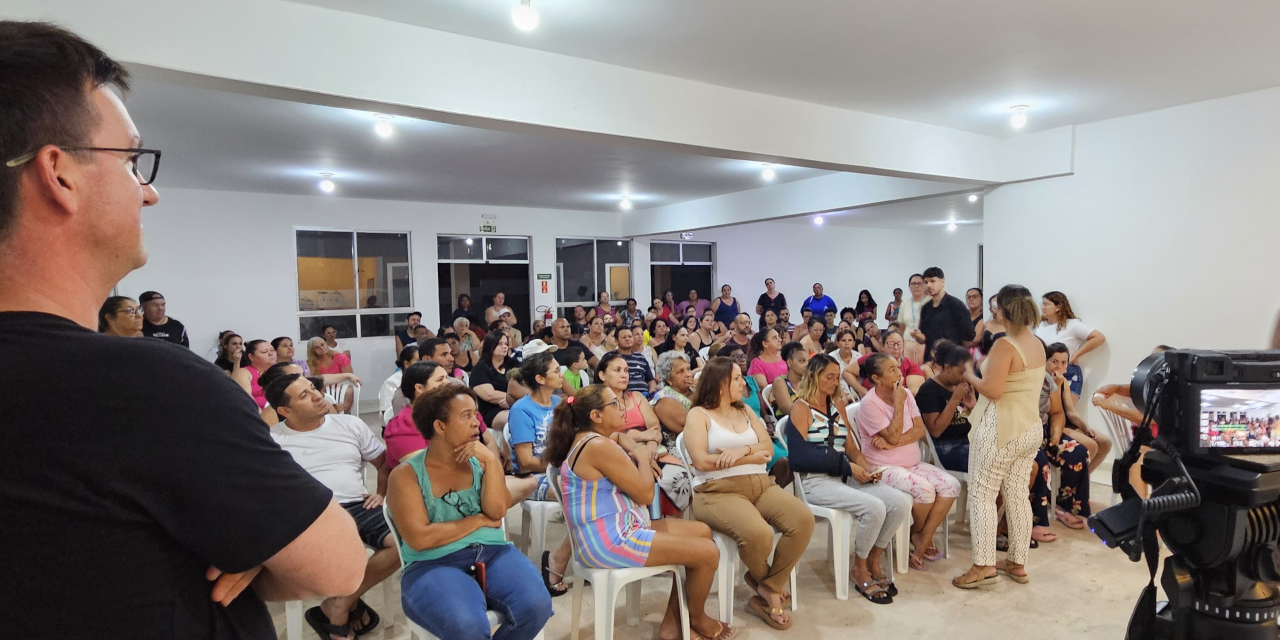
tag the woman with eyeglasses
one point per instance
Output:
(606, 482)
(120, 316)
(261, 357)
(447, 504)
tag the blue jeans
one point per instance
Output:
(442, 598)
(953, 454)
(1075, 378)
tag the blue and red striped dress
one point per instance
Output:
(610, 531)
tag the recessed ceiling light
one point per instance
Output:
(383, 128)
(768, 173)
(951, 227)
(625, 205)
(973, 197)
(817, 220)
(525, 16)
(326, 185)
(1019, 118)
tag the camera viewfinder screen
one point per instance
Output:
(1239, 418)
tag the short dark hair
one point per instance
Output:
(278, 391)
(416, 374)
(273, 372)
(46, 76)
(790, 348)
(412, 314)
(435, 404)
(1054, 349)
(406, 354)
(949, 354)
(275, 344)
(913, 277)
(567, 357)
(428, 348)
(934, 272)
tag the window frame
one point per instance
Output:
(355, 280)
(484, 249)
(704, 263)
(595, 271)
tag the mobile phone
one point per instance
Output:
(477, 571)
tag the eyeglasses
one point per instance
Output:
(465, 505)
(614, 403)
(145, 162)
(131, 311)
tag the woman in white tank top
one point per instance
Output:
(728, 447)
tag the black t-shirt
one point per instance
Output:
(171, 331)
(124, 479)
(562, 355)
(688, 351)
(777, 304)
(485, 373)
(950, 320)
(933, 398)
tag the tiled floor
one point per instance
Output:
(1079, 589)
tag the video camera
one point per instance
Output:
(1214, 470)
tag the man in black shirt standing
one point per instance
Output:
(142, 494)
(155, 324)
(945, 316)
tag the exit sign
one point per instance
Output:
(544, 276)
(686, 235)
(489, 227)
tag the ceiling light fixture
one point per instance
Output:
(951, 226)
(817, 220)
(383, 128)
(470, 242)
(619, 243)
(625, 205)
(326, 185)
(768, 173)
(973, 197)
(1019, 118)
(525, 16)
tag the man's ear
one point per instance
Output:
(55, 176)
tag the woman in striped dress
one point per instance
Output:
(604, 480)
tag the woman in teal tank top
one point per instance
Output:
(447, 504)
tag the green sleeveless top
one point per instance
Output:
(452, 506)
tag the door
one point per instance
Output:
(619, 281)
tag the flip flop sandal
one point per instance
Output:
(1072, 520)
(874, 592)
(1045, 535)
(991, 580)
(916, 562)
(555, 589)
(889, 587)
(755, 586)
(761, 608)
(932, 554)
(727, 632)
(358, 613)
(1003, 569)
(320, 623)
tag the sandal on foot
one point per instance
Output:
(555, 589)
(1072, 520)
(959, 583)
(1004, 568)
(1002, 544)
(916, 562)
(874, 592)
(320, 623)
(932, 554)
(755, 586)
(357, 615)
(761, 608)
(889, 587)
(727, 632)
(1042, 534)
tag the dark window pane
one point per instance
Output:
(313, 327)
(459, 248)
(507, 248)
(664, 252)
(697, 253)
(326, 272)
(376, 325)
(382, 260)
(575, 262)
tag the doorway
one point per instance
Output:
(481, 266)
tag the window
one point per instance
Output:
(356, 281)
(482, 249)
(481, 266)
(679, 267)
(680, 253)
(587, 266)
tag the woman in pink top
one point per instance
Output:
(890, 429)
(766, 357)
(323, 360)
(261, 357)
(402, 437)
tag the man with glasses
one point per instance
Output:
(909, 317)
(145, 507)
(333, 448)
(157, 324)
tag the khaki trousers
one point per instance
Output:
(748, 509)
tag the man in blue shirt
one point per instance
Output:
(819, 303)
(639, 372)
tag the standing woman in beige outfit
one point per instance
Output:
(1004, 440)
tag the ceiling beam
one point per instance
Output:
(399, 68)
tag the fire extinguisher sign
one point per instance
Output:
(544, 286)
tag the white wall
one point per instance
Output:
(844, 259)
(226, 260)
(1166, 233)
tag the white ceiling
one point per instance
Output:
(233, 142)
(911, 214)
(954, 64)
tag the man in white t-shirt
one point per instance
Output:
(333, 449)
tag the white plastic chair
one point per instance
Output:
(703, 352)
(1121, 435)
(534, 516)
(336, 392)
(930, 455)
(839, 540)
(607, 583)
(496, 619)
(900, 547)
(727, 569)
